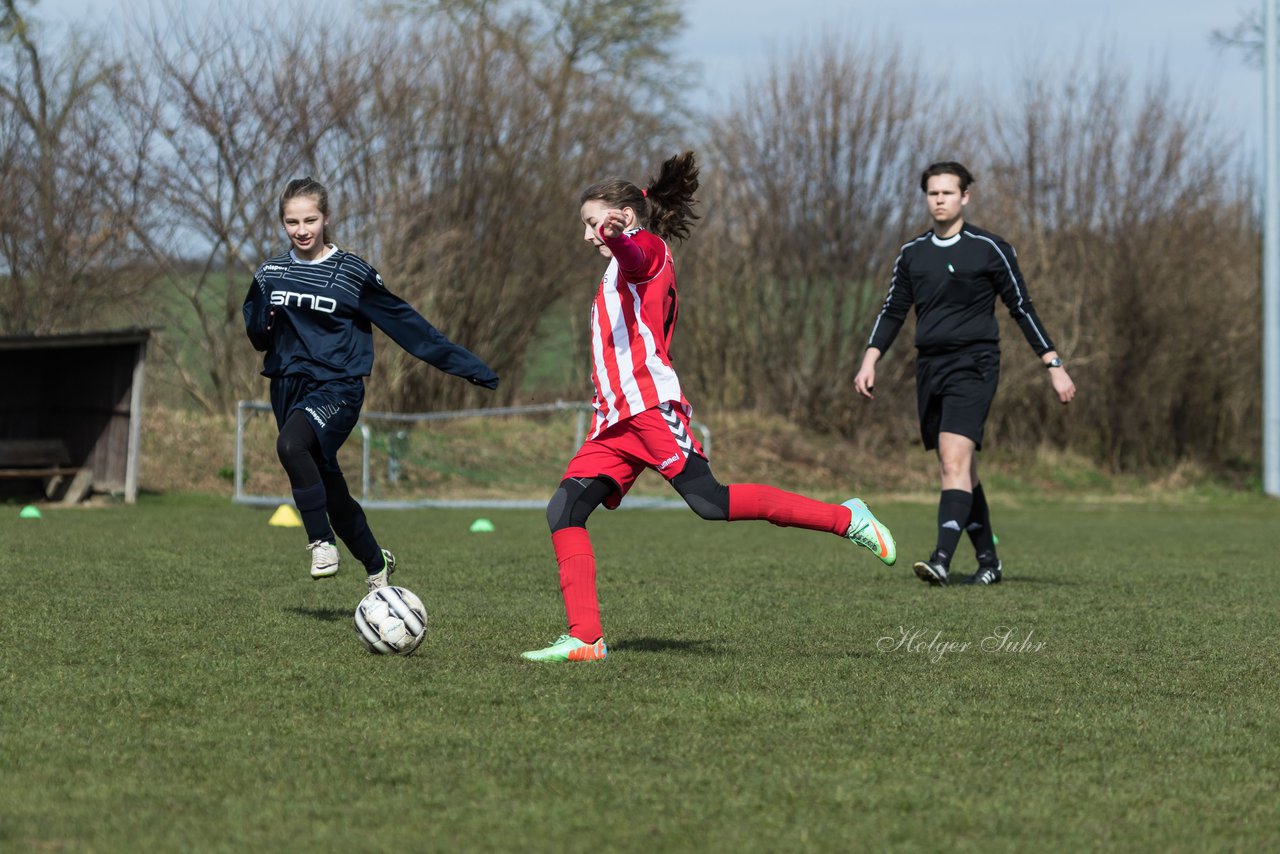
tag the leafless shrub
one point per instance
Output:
(445, 138)
(65, 248)
(1137, 235)
(808, 200)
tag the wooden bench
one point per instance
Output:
(47, 460)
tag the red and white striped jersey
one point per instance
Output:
(632, 321)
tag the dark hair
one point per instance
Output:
(946, 167)
(665, 207)
(308, 186)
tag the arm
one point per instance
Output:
(865, 382)
(1063, 386)
(419, 338)
(888, 323)
(635, 264)
(896, 305)
(1013, 291)
(258, 315)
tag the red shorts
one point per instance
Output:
(658, 439)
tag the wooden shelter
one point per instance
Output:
(71, 413)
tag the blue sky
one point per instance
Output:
(987, 43)
(984, 43)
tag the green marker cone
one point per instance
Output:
(482, 526)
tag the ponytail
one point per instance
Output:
(665, 207)
(671, 198)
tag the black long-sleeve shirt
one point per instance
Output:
(314, 319)
(953, 284)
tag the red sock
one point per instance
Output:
(578, 582)
(786, 509)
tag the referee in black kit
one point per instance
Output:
(952, 274)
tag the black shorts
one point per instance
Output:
(954, 394)
(332, 408)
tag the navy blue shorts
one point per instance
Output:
(332, 408)
(954, 394)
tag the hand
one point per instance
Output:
(612, 224)
(1062, 384)
(865, 381)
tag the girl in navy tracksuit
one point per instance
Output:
(311, 310)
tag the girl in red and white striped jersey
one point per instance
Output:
(641, 417)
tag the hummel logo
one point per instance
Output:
(668, 461)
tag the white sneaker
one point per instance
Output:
(378, 580)
(324, 559)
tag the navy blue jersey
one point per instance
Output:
(314, 320)
(953, 284)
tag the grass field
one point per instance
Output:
(172, 680)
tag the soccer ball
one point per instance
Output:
(391, 621)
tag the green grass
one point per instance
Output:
(172, 680)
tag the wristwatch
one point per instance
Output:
(1055, 362)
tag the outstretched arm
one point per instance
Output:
(410, 330)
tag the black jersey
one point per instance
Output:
(953, 284)
(314, 320)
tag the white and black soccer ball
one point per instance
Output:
(391, 621)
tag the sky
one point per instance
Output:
(988, 43)
(985, 44)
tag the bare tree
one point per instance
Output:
(227, 114)
(490, 121)
(1138, 235)
(64, 242)
(808, 200)
(444, 137)
(1247, 35)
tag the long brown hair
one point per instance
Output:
(665, 206)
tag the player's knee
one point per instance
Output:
(289, 448)
(699, 488)
(708, 508)
(557, 509)
(573, 501)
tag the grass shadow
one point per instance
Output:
(328, 615)
(681, 647)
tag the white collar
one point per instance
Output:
(329, 250)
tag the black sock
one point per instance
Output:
(310, 502)
(979, 528)
(350, 523)
(953, 512)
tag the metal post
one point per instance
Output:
(1271, 266)
(240, 410)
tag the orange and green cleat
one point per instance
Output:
(870, 533)
(569, 648)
